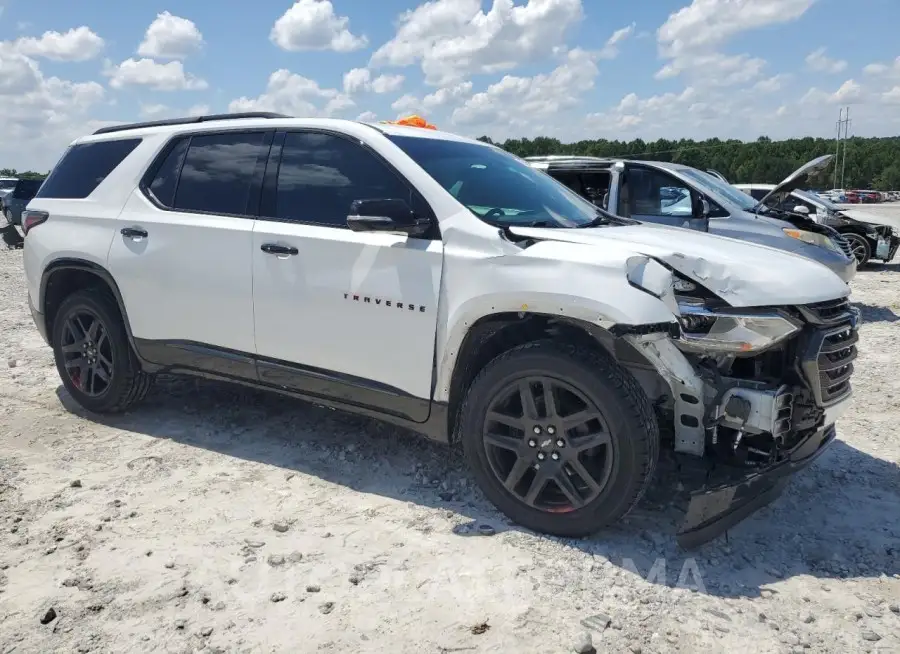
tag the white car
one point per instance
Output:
(441, 284)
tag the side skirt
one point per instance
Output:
(321, 387)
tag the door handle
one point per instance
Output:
(134, 232)
(279, 250)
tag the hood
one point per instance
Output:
(866, 217)
(796, 179)
(743, 274)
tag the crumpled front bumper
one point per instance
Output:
(713, 511)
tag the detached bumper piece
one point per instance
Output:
(714, 511)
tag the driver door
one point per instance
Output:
(341, 314)
(658, 197)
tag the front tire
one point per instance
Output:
(93, 357)
(860, 248)
(560, 438)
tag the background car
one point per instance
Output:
(16, 201)
(867, 240)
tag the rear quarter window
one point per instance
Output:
(83, 167)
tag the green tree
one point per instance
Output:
(888, 179)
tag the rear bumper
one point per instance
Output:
(712, 512)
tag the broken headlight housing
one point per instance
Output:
(732, 331)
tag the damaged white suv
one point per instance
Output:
(444, 285)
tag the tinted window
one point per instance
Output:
(7, 183)
(165, 180)
(321, 175)
(84, 166)
(653, 193)
(218, 172)
(26, 188)
(759, 193)
(496, 186)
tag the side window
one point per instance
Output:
(321, 175)
(758, 193)
(83, 167)
(218, 172)
(653, 193)
(166, 178)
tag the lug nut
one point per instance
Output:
(555, 456)
(560, 442)
(537, 430)
(541, 456)
(532, 442)
(551, 430)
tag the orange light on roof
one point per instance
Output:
(411, 121)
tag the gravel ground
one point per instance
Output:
(220, 519)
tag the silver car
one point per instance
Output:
(678, 195)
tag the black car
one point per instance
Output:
(15, 202)
(867, 241)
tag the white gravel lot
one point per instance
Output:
(219, 519)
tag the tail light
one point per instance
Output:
(32, 219)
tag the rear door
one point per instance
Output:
(181, 254)
(656, 196)
(342, 314)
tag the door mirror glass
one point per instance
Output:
(385, 215)
(801, 209)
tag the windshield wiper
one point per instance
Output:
(605, 218)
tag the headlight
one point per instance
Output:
(822, 240)
(732, 331)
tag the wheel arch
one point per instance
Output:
(63, 277)
(496, 333)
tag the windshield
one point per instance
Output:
(8, 183)
(817, 199)
(496, 186)
(712, 184)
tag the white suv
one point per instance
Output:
(441, 284)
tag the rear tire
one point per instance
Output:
(860, 248)
(93, 356)
(593, 456)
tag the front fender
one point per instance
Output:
(547, 282)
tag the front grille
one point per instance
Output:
(835, 363)
(844, 245)
(827, 312)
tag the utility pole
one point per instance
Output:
(837, 147)
(846, 134)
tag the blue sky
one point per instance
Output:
(573, 69)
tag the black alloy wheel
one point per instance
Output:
(560, 437)
(87, 353)
(859, 248)
(548, 444)
(94, 358)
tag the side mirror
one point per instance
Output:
(388, 215)
(700, 211)
(801, 209)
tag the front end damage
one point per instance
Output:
(752, 395)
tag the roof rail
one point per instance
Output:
(189, 120)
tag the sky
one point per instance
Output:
(571, 69)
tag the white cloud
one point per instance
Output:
(892, 96)
(367, 116)
(611, 47)
(447, 95)
(294, 95)
(520, 102)
(455, 39)
(77, 44)
(407, 104)
(690, 38)
(313, 25)
(159, 77)
(818, 61)
(170, 37)
(40, 115)
(358, 80)
(890, 71)
(199, 110)
(152, 111)
(771, 84)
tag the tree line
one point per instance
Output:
(871, 163)
(28, 174)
